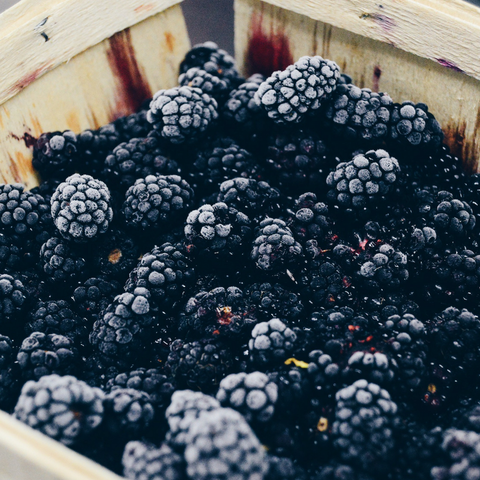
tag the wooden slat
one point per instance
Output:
(95, 87)
(26, 454)
(38, 35)
(266, 31)
(445, 31)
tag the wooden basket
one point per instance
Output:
(75, 65)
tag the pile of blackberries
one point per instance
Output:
(261, 278)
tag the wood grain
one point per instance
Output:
(95, 87)
(453, 97)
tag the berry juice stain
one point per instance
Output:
(267, 53)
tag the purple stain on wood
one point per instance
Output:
(449, 64)
(27, 138)
(133, 88)
(377, 72)
(266, 54)
(384, 21)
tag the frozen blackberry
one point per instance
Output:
(95, 295)
(460, 448)
(134, 125)
(166, 272)
(57, 317)
(215, 233)
(449, 216)
(63, 408)
(382, 268)
(298, 161)
(42, 354)
(182, 115)
(156, 200)
(13, 299)
(272, 342)
(364, 182)
(336, 471)
(184, 409)
(55, 154)
(218, 161)
(364, 426)
(122, 335)
(61, 263)
(145, 462)
(212, 59)
(199, 365)
(255, 198)
(94, 146)
(127, 412)
(221, 445)
(284, 468)
(412, 125)
(23, 215)
(211, 84)
(275, 248)
(375, 367)
(288, 95)
(81, 208)
(136, 159)
(220, 311)
(252, 394)
(272, 300)
(158, 386)
(324, 374)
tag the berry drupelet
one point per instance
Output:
(251, 394)
(288, 95)
(55, 154)
(156, 200)
(182, 115)
(63, 408)
(81, 208)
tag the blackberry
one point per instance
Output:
(375, 367)
(212, 59)
(116, 255)
(94, 146)
(55, 154)
(284, 468)
(182, 115)
(199, 365)
(10, 385)
(272, 342)
(275, 248)
(166, 272)
(215, 233)
(134, 125)
(252, 394)
(61, 263)
(211, 84)
(364, 426)
(288, 95)
(13, 299)
(255, 198)
(63, 408)
(94, 295)
(462, 458)
(364, 182)
(209, 455)
(185, 407)
(298, 161)
(46, 188)
(220, 311)
(57, 317)
(144, 462)
(156, 200)
(136, 159)
(324, 374)
(336, 471)
(23, 215)
(359, 115)
(218, 161)
(42, 354)
(122, 336)
(81, 208)
(382, 268)
(412, 125)
(158, 386)
(272, 300)
(127, 412)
